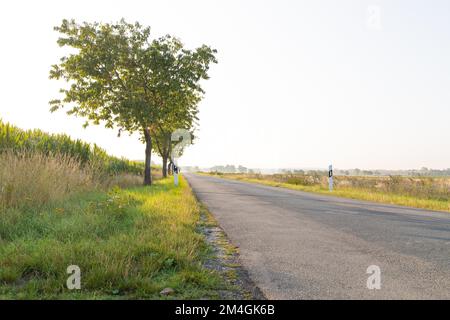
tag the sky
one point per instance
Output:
(299, 84)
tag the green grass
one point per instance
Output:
(128, 243)
(354, 193)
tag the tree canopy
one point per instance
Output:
(119, 76)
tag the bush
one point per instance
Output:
(300, 180)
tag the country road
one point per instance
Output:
(298, 245)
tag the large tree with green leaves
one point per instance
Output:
(118, 76)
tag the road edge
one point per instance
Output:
(226, 259)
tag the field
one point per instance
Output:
(421, 192)
(38, 168)
(16, 140)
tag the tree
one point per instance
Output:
(242, 169)
(119, 77)
(230, 168)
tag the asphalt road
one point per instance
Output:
(298, 245)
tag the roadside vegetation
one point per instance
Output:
(66, 202)
(38, 168)
(431, 193)
(36, 141)
(128, 243)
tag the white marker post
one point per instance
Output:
(175, 174)
(330, 177)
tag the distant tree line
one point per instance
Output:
(230, 169)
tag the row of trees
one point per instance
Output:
(230, 169)
(118, 76)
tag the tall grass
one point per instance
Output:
(18, 140)
(35, 179)
(37, 167)
(128, 244)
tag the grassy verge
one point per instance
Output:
(128, 243)
(353, 193)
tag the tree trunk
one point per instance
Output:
(148, 158)
(164, 167)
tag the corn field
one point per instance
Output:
(25, 141)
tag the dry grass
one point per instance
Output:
(420, 192)
(34, 179)
(124, 180)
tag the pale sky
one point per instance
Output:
(299, 83)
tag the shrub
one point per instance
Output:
(299, 180)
